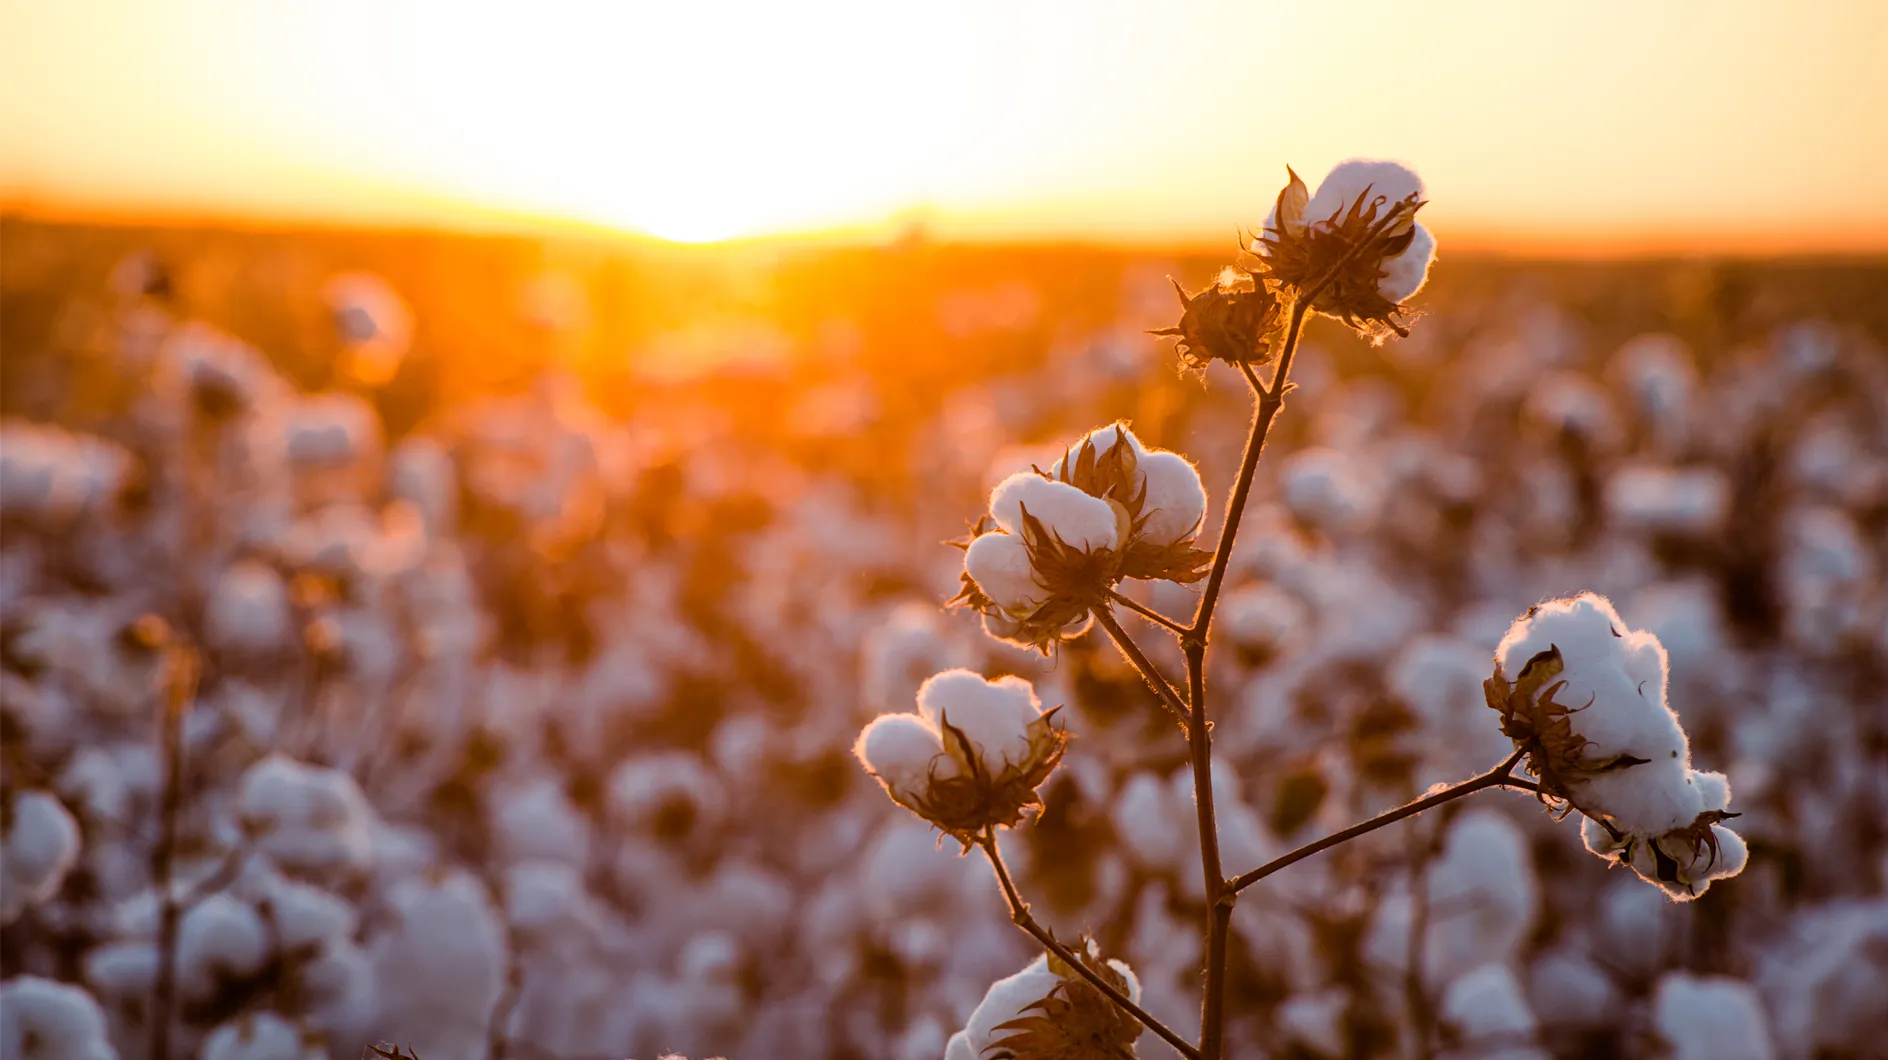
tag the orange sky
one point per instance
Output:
(1724, 125)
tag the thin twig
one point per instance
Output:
(1219, 900)
(1019, 912)
(1415, 995)
(1172, 625)
(180, 686)
(1168, 697)
(1497, 777)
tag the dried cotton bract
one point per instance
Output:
(1109, 509)
(971, 758)
(1048, 1011)
(1588, 706)
(1229, 321)
(1360, 231)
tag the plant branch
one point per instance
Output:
(180, 686)
(1168, 697)
(1497, 777)
(1219, 899)
(1019, 912)
(1148, 613)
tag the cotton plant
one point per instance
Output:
(1047, 562)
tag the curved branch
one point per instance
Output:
(1497, 777)
(1019, 912)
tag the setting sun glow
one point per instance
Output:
(1675, 125)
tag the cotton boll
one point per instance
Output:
(305, 918)
(1405, 274)
(669, 795)
(44, 1020)
(1570, 992)
(219, 940)
(904, 752)
(899, 652)
(1484, 1011)
(1314, 1022)
(1635, 927)
(308, 819)
(1148, 824)
(1650, 498)
(262, 1036)
(247, 614)
(1262, 617)
(1823, 982)
(40, 845)
(440, 964)
(1482, 895)
(331, 429)
(536, 821)
(1006, 1000)
(1175, 503)
(1710, 1018)
(1440, 678)
(1073, 517)
(1569, 405)
(995, 716)
(959, 1048)
(1352, 178)
(1828, 581)
(999, 563)
(1325, 488)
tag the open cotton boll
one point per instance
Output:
(995, 716)
(1569, 991)
(1647, 497)
(1263, 617)
(672, 795)
(1822, 983)
(1080, 521)
(218, 940)
(1325, 488)
(1405, 274)
(1175, 504)
(1005, 1000)
(248, 611)
(1353, 177)
(45, 1020)
(1485, 1012)
(262, 1036)
(305, 917)
(958, 1048)
(1315, 1022)
(1148, 823)
(308, 819)
(1482, 894)
(999, 563)
(904, 752)
(40, 845)
(440, 964)
(899, 652)
(1710, 1018)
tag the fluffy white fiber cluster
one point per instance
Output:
(1009, 998)
(38, 847)
(308, 819)
(1403, 274)
(1086, 518)
(1644, 804)
(1710, 1018)
(1000, 561)
(44, 1020)
(908, 752)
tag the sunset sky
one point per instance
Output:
(1723, 125)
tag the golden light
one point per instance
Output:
(1735, 124)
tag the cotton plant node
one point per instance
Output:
(1076, 1021)
(965, 801)
(1542, 728)
(1234, 320)
(1347, 251)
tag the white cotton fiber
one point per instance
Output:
(1175, 503)
(219, 940)
(262, 1036)
(40, 845)
(999, 563)
(44, 1020)
(1073, 517)
(994, 715)
(1710, 1018)
(904, 751)
(309, 819)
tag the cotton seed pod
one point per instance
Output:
(1160, 493)
(1230, 321)
(1543, 728)
(1360, 231)
(1074, 1020)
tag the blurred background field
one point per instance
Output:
(582, 560)
(545, 423)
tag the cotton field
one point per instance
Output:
(536, 599)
